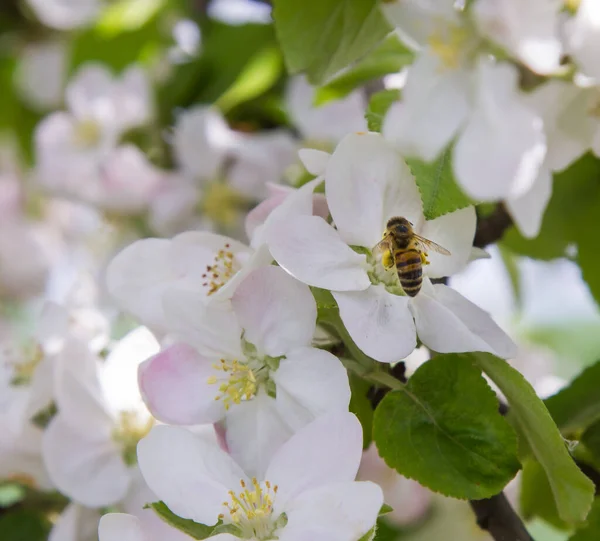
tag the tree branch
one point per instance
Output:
(496, 515)
(492, 228)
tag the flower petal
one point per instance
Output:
(583, 37)
(277, 312)
(174, 384)
(310, 382)
(366, 183)
(380, 323)
(449, 323)
(502, 147)
(90, 471)
(527, 211)
(341, 511)
(120, 527)
(189, 474)
(434, 106)
(254, 430)
(75, 523)
(313, 252)
(314, 161)
(455, 232)
(328, 450)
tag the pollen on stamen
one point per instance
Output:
(238, 384)
(219, 273)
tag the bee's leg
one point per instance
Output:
(387, 260)
(424, 259)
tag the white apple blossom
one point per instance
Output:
(202, 263)
(455, 91)
(66, 14)
(252, 367)
(307, 491)
(583, 38)
(89, 446)
(366, 184)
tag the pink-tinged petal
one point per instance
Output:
(254, 431)
(277, 312)
(310, 382)
(212, 329)
(434, 106)
(326, 451)
(448, 323)
(313, 252)
(454, 232)
(527, 211)
(366, 183)
(76, 522)
(256, 218)
(121, 527)
(90, 471)
(503, 145)
(175, 386)
(314, 161)
(341, 511)
(189, 474)
(380, 323)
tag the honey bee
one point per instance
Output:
(404, 249)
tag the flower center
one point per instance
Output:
(24, 363)
(251, 510)
(130, 428)
(87, 133)
(449, 45)
(222, 204)
(219, 273)
(381, 270)
(239, 382)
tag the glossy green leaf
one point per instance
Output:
(24, 525)
(572, 490)
(187, 526)
(591, 530)
(378, 106)
(439, 191)
(577, 406)
(321, 37)
(444, 430)
(388, 57)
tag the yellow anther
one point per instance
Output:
(222, 204)
(130, 429)
(87, 133)
(238, 384)
(219, 273)
(449, 46)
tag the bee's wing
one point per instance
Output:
(429, 244)
(382, 246)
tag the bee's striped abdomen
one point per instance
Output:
(410, 270)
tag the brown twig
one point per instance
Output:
(497, 516)
(492, 228)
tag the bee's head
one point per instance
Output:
(400, 226)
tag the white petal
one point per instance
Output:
(52, 327)
(449, 323)
(254, 430)
(212, 329)
(503, 145)
(455, 232)
(190, 475)
(366, 183)
(527, 211)
(313, 252)
(120, 527)
(75, 523)
(277, 312)
(135, 278)
(529, 29)
(583, 37)
(380, 323)
(310, 382)
(175, 387)
(314, 161)
(132, 97)
(328, 450)
(434, 106)
(342, 511)
(90, 471)
(88, 93)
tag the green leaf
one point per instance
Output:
(11, 493)
(439, 191)
(573, 491)
(536, 496)
(360, 405)
(24, 525)
(385, 509)
(591, 439)
(578, 405)
(388, 57)
(444, 431)
(187, 526)
(320, 37)
(378, 106)
(591, 530)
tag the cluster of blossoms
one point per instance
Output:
(253, 262)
